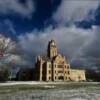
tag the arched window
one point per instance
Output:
(49, 78)
(68, 72)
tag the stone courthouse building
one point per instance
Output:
(54, 67)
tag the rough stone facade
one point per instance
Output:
(54, 67)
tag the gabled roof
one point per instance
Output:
(45, 58)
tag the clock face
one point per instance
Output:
(53, 43)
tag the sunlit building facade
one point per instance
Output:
(54, 67)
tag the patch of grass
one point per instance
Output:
(15, 88)
(77, 86)
(67, 86)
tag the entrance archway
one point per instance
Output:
(61, 78)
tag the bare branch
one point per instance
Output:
(5, 45)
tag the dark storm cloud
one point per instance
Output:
(91, 50)
(72, 42)
(80, 46)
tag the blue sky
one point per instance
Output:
(38, 18)
(74, 24)
(26, 23)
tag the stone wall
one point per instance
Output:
(77, 75)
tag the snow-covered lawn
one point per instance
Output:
(50, 91)
(80, 94)
(38, 82)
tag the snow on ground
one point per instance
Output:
(92, 93)
(38, 82)
(19, 83)
(79, 94)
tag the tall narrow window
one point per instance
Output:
(68, 72)
(68, 66)
(65, 66)
(49, 65)
(49, 78)
(49, 71)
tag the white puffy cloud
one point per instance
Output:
(9, 6)
(71, 41)
(75, 10)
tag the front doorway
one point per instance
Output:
(61, 78)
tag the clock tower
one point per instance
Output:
(52, 49)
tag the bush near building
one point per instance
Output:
(25, 74)
(4, 73)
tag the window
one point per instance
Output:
(65, 66)
(60, 71)
(49, 65)
(68, 66)
(69, 78)
(55, 77)
(49, 71)
(49, 78)
(79, 77)
(68, 72)
(60, 66)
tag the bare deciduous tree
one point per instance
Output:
(6, 45)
